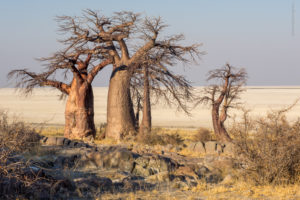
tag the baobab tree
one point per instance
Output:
(153, 79)
(223, 96)
(83, 65)
(126, 38)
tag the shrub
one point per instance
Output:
(156, 137)
(268, 149)
(15, 138)
(202, 135)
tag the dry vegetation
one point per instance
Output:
(16, 178)
(267, 159)
(268, 149)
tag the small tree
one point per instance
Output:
(223, 96)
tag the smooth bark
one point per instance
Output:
(120, 113)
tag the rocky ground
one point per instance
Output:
(66, 169)
(77, 170)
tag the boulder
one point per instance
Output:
(110, 158)
(60, 141)
(51, 141)
(199, 148)
(67, 142)
(151, 164)
(211, 147)
(93, 184)
(73, 144)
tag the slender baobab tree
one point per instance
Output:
(83, 65)
(223, 96)
(153, 79)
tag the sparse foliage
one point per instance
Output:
(152, 80)
(223, 95)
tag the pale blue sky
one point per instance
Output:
(255, 34)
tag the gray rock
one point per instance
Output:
(66, 142)
(51, 141)
(211, 147)
(111, 158)
(73, 144)
(93, 184)
(147, 165)
(228, 148)
(199, 147)
(213, 178)
(60, 141)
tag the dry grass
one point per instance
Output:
(52, 131)
(158, 137)
(235, 191)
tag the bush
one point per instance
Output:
(268, 149)
(202, 135)
(155, 137)
(15, 138)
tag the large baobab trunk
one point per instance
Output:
(146, 121)
(79, 112)
(120, 115)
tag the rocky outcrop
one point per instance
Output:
(93, 169)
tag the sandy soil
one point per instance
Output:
(44, 106)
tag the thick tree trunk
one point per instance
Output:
(120, 113)
(218, 125)
(79, 112)
(146, 121)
